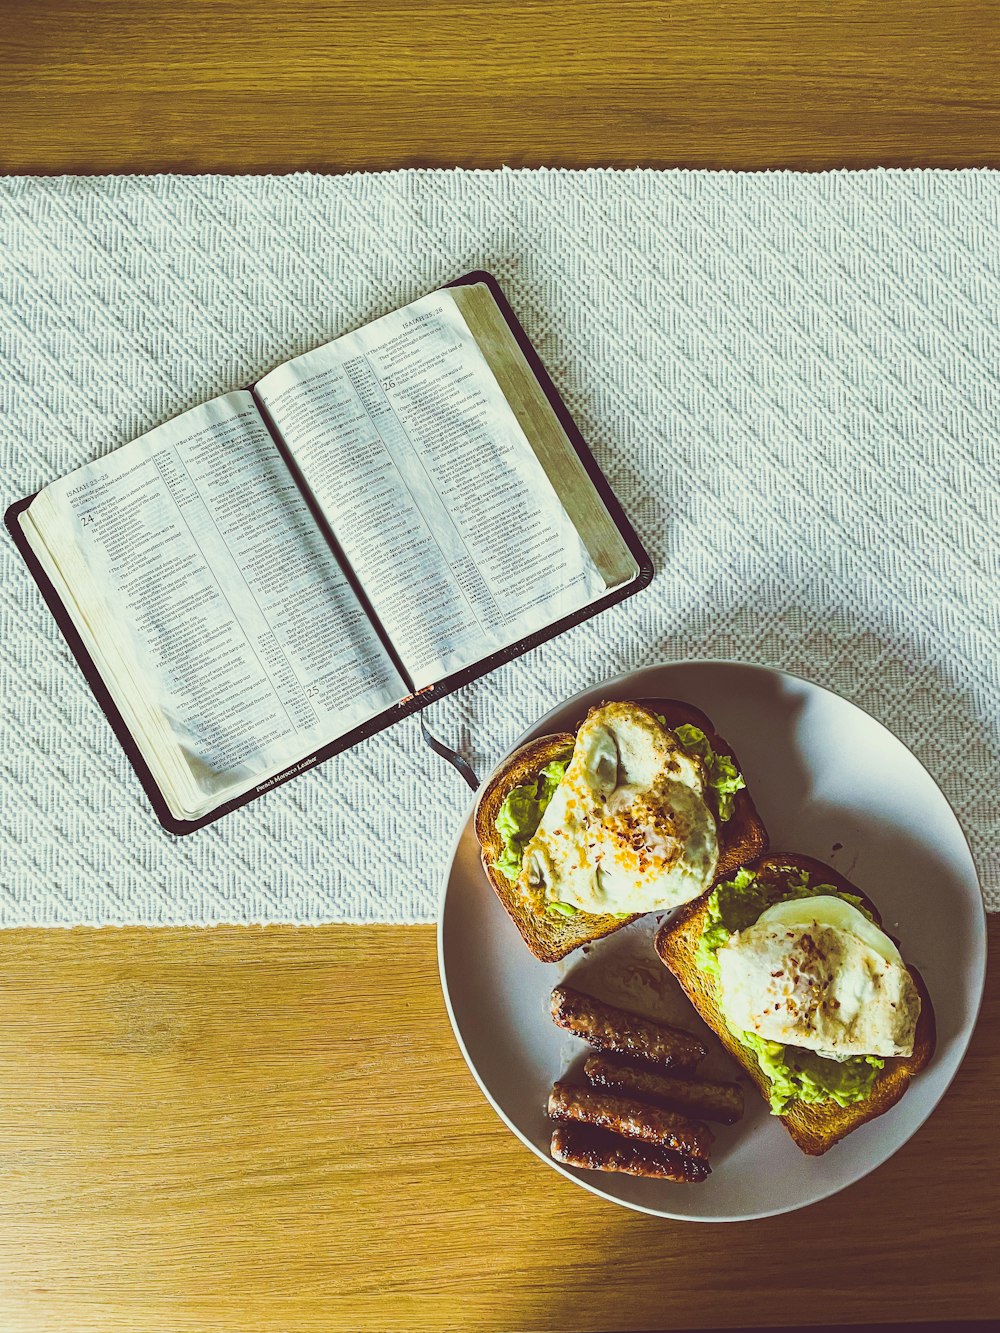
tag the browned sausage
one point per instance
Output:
(609, 1029)
(629, 1117)
(597, 1150)
(700, 1097)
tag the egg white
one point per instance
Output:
(628, 829)
(828, 910)
(816, 973)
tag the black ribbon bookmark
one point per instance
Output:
(457, 762)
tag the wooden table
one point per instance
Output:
(250, 1130)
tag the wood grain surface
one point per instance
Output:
(240, 1131)
(250, 1130)
(240, 85)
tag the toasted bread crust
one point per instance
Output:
(550, 938)
(815, 1128)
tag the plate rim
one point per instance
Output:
(468, 814)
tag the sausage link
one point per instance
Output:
(722, 1102)
(629, 1117)
(597, 1150)
(608, 1028)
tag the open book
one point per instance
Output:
(270, 576)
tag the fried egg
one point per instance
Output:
(628, 829)
(816, 973)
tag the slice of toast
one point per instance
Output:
(741, 838)
(814, 1127)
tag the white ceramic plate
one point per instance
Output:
(829, 781)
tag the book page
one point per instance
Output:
(222, 621)
(451, 524)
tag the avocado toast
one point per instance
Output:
(818, 1099)
(683, 747)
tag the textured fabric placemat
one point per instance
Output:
(791, 381)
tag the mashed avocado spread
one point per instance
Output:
(795, 1074)
(521, 813)
(722, 775)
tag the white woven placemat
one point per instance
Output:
(791, 381)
